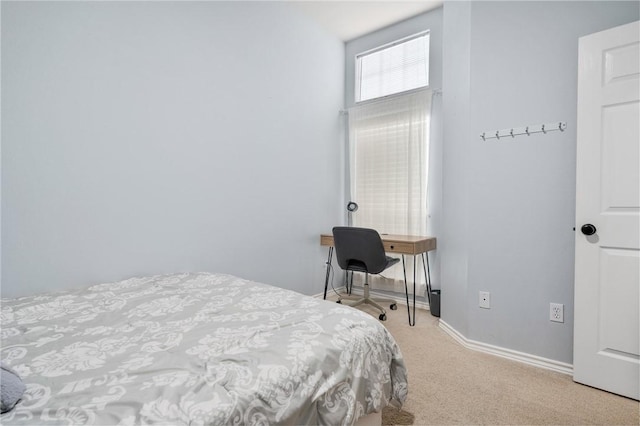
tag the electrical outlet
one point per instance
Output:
(485, 300)
(556, 312)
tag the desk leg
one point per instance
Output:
(328, 266)
(427, 276)
(414, 292)
(427, 279)
(406, 291)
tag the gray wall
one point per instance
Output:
(0, 156)
(431, 21)
(510, 204)
(155, 137)
(453, 244)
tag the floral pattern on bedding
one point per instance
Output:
(196, 349)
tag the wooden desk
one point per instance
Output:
(411, 245)
(401, 244)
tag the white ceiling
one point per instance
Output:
(351, 19)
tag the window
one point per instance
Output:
(393, 68)
(389, 144)
(388, 163)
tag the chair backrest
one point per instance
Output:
(359, 249)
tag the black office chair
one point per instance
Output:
(361, 250)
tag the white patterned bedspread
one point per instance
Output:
(196, 349)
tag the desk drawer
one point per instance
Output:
(399, 247)
(326, 240)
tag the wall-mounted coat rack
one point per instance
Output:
(528, 130)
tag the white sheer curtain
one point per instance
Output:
(389, 157)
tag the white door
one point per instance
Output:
(606, 352)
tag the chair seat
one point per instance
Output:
(392, 261)
(357, 266)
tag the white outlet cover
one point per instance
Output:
(556, 312)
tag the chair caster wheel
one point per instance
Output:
(393, 306)
(382, 317)
(339, 301)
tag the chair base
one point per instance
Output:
(366, 299)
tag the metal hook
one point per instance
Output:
(543, 130)
(527, 131)
(560, 127)
(511, 133)
(482, 136)
(497, 134)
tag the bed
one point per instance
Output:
(196, 348)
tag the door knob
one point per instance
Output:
(588, 229)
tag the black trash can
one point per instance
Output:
(434, 305)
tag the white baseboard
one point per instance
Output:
(400, 299)
(536, 361)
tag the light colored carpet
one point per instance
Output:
(452, 385)
(391, 416)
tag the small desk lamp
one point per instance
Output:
(352, 206)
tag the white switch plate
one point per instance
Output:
(485, 300)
